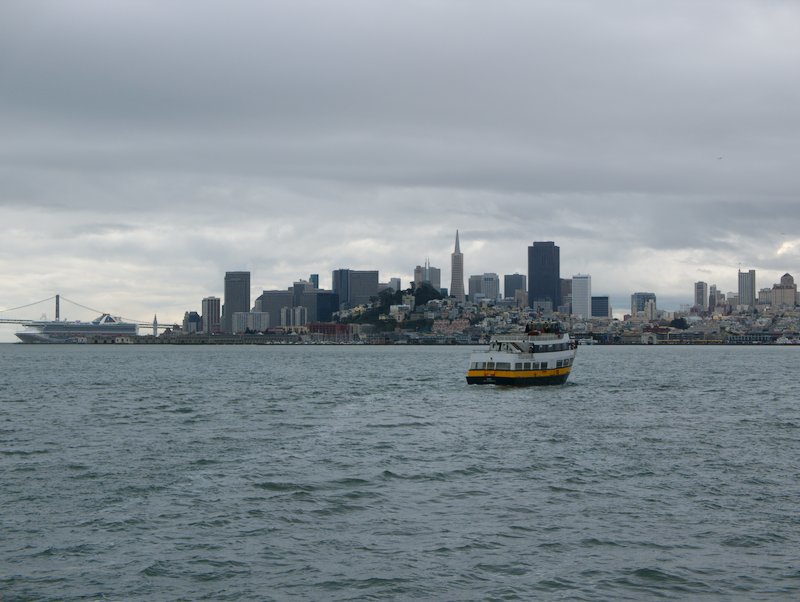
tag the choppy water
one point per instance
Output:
(350, 473)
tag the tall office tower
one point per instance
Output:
(544, 276)
(210, 309)
(475, 287)
(513, 283)
(491, 286)
(747, 288)
(314, 280)
(457, 273)
(565, 307)
(701, 296)
(426, 273)
(639, 301)
(601, 307)
(712, 297)
(355, 287)
(582, 296)
(237, 297)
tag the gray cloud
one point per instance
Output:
(655, 142)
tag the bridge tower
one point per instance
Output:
(58, 308)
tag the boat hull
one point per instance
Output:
(550, 377)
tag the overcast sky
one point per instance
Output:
(146, 147)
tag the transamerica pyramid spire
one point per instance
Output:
(457, 273)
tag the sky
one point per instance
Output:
(146, 147)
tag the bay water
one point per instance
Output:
(373, 473)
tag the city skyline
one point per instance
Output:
(132, 176)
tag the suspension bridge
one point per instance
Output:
(13, 315)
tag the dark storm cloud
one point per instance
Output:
(289, 137)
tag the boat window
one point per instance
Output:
(518, 366)
(504, 365)
(490, 365)
(527, 366)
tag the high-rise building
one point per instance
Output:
(475, 287)
(544, 276)
(393, 283)
(601, 307)
(701, 296)
(513, 283)
(639, 301)
(272, 302)
(582, 296)
(355, 287)
(491, 286)
(457, 273)
(314, 280)
(192, 322)
(747, 288)
(237, 297)
(210, 310)
(429, 274)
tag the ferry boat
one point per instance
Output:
(531, 358)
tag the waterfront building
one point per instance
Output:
(513, 283)
(355, 287)
(254, 321)
(544, 276)
(639, 301)
(429, 274)
(747, 288)
(210, 309)
(582, 296)
(237, 297)
(701, 296)
(601, 307)
(457, 273)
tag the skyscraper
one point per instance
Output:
(701, 296)
(601, 307)
(457, 273)
(355, 287)
(426, 273)
(210, 310)
(491, 286)
(237, 297)
(747, 288)
(475, 287)
(512, 283)
(582, 296)
(544, 275)
(639, 302)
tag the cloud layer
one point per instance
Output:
(147, 147)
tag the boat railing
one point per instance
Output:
(542, 336)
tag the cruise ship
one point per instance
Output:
(105, 328)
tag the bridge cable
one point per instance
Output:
(28, 305)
